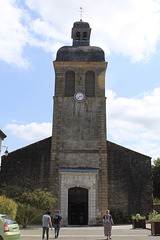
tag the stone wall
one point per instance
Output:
(28, 166)
(129, 175)
(130, 181)
(79, 128)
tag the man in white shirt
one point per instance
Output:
(46, 222)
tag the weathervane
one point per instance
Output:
(81, 11)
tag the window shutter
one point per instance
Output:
(69, 84)
(90, 84)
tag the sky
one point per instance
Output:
(31, 32)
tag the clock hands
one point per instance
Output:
(79, 97)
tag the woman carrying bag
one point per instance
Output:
(107, 223)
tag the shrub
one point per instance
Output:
(156, 200)
(41, 199)
(13, 192)
(137, 217)
(8, 206)
(154, 216)
(31, 203)
(26, 214)
(38, 198)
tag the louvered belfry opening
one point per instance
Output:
(69, 84)
(84, 35)
(77, 35)
(90, 84)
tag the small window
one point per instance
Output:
(69, 84)
(77, 35)
(85, 36)
(90, 84)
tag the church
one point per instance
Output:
(87, 173)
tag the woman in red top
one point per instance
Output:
(107, 223)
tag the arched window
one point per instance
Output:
(69, 84)
(77, 35)
(90, 84)
(84, 35)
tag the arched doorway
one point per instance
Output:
(77, 206)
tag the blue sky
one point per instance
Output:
(31, 32)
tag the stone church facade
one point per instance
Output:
(86, 173)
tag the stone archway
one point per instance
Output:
(83, 180)
(77, 206)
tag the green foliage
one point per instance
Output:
(41, 199)
(8, 206)
(14, 192)
(38, 198)
(137, 217)
(26, 214)
(156, 178)
(31, 204)
(156, 201)
(154, 216)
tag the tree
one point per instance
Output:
(156, 178)
(42, 199)
(13, 192)
(8, 206)
(31, 203)
(26, 214)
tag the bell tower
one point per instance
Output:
(81, 34)
(78, 166)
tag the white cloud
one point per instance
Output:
(135, 122)
(120, 26)
(127, 27)
(13, 35)
(30, 132)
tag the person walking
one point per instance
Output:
(46, 222)
(107, 223)
(57, 221)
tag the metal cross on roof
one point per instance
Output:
(81, 12)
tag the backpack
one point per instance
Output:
(55, 220)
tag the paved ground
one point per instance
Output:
(120, 232)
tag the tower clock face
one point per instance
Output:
(79, 96)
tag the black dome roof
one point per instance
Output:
(80, 54)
